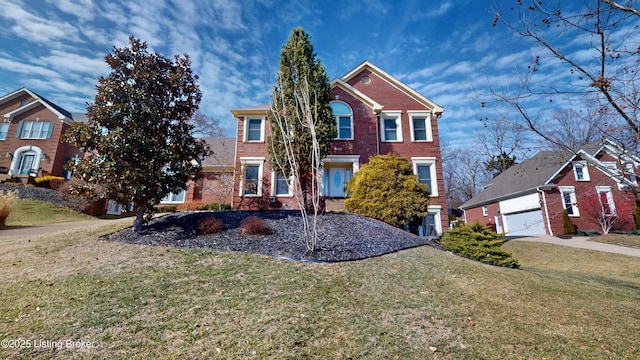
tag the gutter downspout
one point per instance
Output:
(546, 210)
(377, 132)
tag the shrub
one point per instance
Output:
(477, 242)
(387, 189)
(210, 225)
(49, 181)
(254, 225)
(219, 207)
(637, 215)
(567, 225)
(7, 200)
(193, 206)
(79, 194)
(166, 208)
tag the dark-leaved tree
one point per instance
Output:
(138, 134)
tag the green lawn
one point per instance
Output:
(139, 302)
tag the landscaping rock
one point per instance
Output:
(342, 237)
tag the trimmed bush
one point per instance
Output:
(219, 207)
(166, 208)
(7, 200)
(210, 225)
(49, 182)
(478, 243)
(567, 225)
(254, 225)
(193, 206)
(637, 215)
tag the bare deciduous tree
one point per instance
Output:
(587, 52)
(206, 126)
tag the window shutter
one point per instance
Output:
(19, 130)
(50, 131)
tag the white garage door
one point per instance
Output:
(525, 223)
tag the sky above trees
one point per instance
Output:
(447, 50)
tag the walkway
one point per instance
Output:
(583, 243)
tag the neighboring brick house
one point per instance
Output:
(375, 114)
(529, 198)
(216, 183)
(30, 134)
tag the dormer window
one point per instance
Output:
(631, 172)
(581, 171)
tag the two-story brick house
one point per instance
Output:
(529, 198)
(375, 114)
(30, 133)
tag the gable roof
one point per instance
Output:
(366, 65)
(377, 108)
(521, 178)
(223, 152)
(61, 113)
(541, 170)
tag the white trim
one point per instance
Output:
(485, 210)
(246, 128)
(357, 94)
(274, 186)
(427, 123)
(391, 115)
(251, 161)
(431, 162)
(572, 197)
(17, 156)
(336, 118)
(585, 170)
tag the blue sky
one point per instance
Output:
(439, 47)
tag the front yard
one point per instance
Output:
(117, 300)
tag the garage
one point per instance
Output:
(525, 223)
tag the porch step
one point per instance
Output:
(335, 205)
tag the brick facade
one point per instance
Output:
(369, 100)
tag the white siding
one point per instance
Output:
(522, 203)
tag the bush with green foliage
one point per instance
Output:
(477, 242)
(219, 207)
(387, 189)
(567, 225)
(167, 208)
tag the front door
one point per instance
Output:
(336, 180)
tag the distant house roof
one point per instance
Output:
(223, 152)
(541, 170)
(60, 112)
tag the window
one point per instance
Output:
(420, 122)
(344, 120)
(281, 185)
(34, 129)
(424, 175)
(581, 171)
(485, 211)
(177, 197)
(425, 168)
(24, 102)
(631, 171)
(391, 126)
(251, 182)
(254, 130)
(4, 129)
(27, 160)
(569, 200)
(606, 200)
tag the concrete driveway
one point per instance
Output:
(581, 242)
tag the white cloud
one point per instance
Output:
(35, 28)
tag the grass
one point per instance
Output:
(28, 212)
(153, 302)
(632, 241)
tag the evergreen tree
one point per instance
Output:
(499, 163)
(302, 84)
(138, 133)
(386, 189)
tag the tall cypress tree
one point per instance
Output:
(300, 73)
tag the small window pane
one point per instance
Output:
(251, 180)
(339, 108)
(390, 130)
(282, 187)
(4, 129)
(344, 127)
(424, 175)
(254, 130)
(579, 173)
(419, 129)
